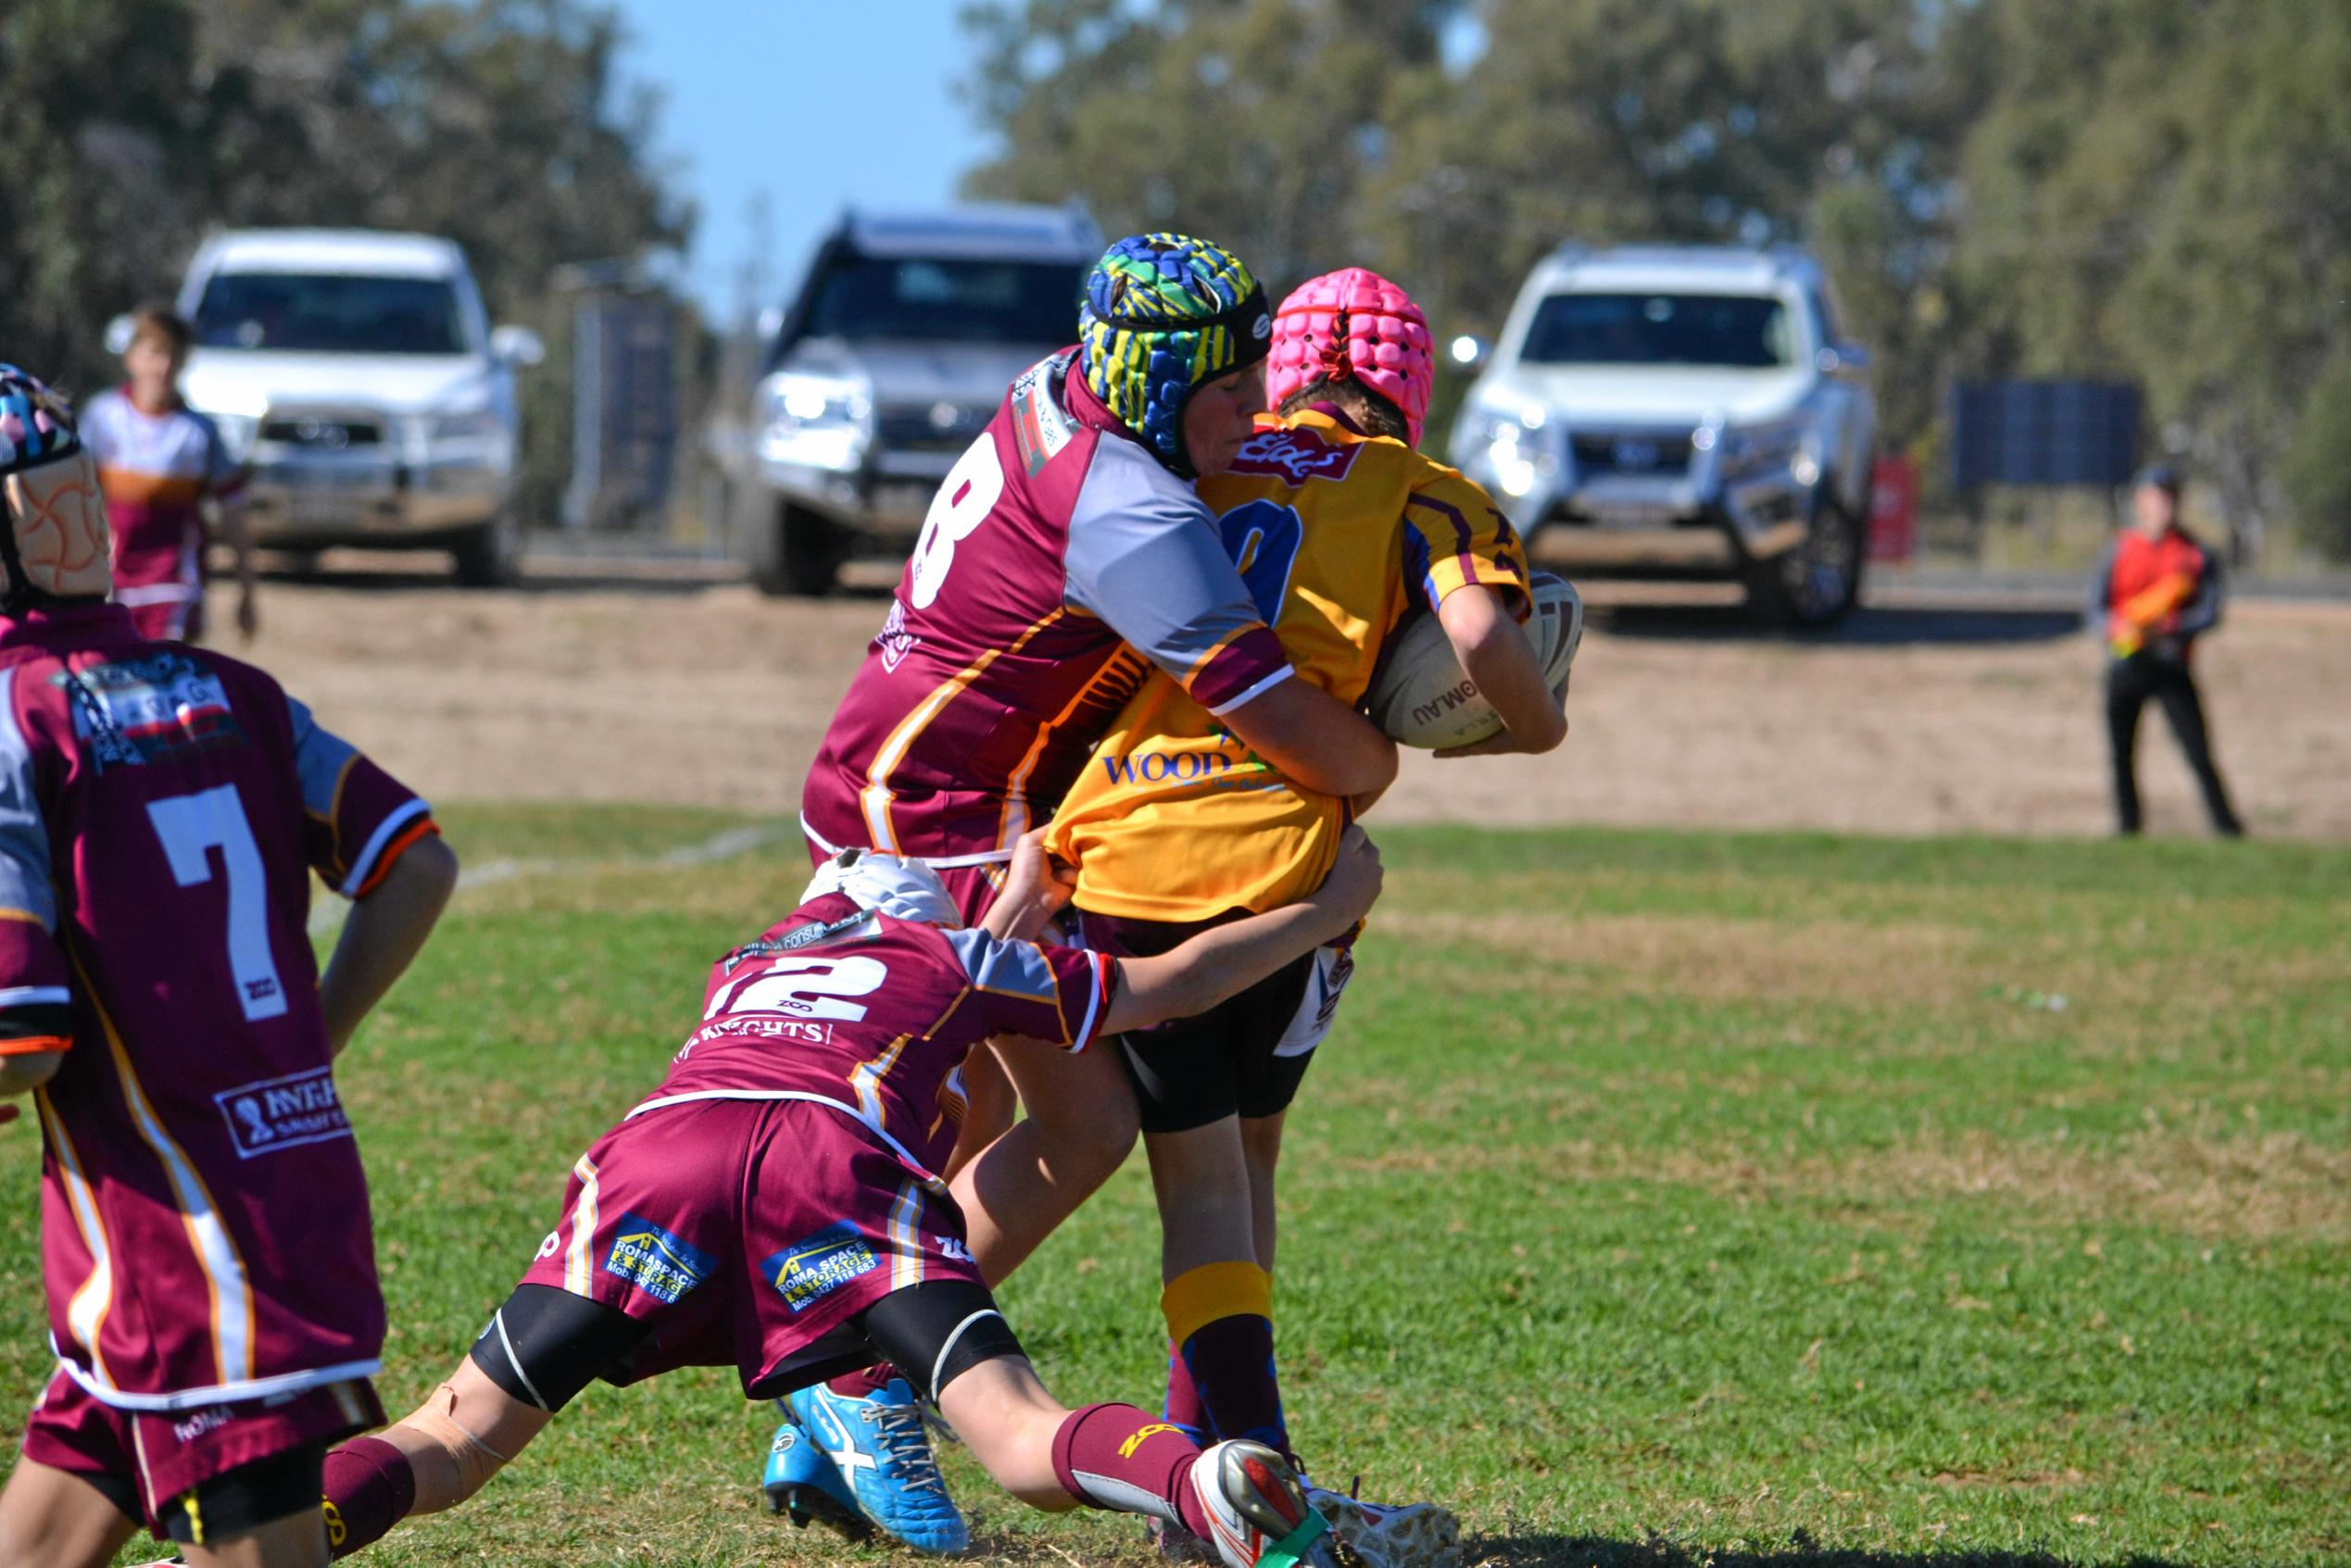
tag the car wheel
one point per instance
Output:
(1819, 581)
(491, 556)
(799, 554)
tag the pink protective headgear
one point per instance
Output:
(1354, 324)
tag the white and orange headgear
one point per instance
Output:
(55, 546)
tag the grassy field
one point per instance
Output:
(1662, 1199)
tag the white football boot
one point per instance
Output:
(1257, 1515)
(1412, 1535)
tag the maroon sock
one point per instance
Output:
(1185, 1406)
(864, 1385)
(1231, 1364)
(1121, 1458)
(369, 1488)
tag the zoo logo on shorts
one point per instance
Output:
(807, 1272)
(663, 1266)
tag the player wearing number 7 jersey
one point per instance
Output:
(205, 1247)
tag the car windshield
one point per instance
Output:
(1739, 331)
(329, 313)
(954, 301)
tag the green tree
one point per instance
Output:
(2161, 191)
(145, 123)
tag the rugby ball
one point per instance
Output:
(1424, 698)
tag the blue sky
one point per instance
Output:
(814, 102)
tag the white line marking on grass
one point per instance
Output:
(328, 915)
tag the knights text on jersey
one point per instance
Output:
(1058, 565)
(873, 1016)
(1339, 536)
(204, 1228)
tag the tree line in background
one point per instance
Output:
(135, 126)
(2149, 190)
(2157, 190)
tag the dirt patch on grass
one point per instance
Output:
(1914, 720)
(2281, 1187)
(1716, 959)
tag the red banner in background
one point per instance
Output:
(1894, 510)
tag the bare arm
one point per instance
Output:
(1229, 958)
(22, 1073)
(237, 527)
(386, 930)
(1315, 740)
(1036, 887)
(1496, 655)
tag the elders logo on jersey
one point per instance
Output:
(144, 709)
(663, 1266)
(1296, 455)
(278, 1113)
(807, 1272)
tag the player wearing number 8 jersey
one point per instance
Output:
(205, 1244)
(1065, 558)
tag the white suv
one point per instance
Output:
(1688, 411)
(356, 374)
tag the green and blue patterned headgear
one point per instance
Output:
(1163, 314)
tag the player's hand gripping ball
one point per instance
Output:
(1424, 698)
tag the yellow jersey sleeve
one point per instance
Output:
(1456, 536)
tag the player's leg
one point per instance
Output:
(541, 1348)
(1079, 1128)
(2125, 696)
(1240, 1496)
(264, 1514)
(1216, 1297)
(73, 1520)
(2184, 709)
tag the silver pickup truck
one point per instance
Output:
(891, 357)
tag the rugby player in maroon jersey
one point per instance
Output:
(774, 1206)
(1065, 556)
(206, 1247)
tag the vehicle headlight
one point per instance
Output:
(1762, 446)
(1506, 443)
(819, 421)
(479, 424)
(237, 432)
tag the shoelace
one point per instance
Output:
(898, 1431)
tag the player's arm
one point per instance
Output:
(1156, 573)
(373, 840)
(1496, 655)
(386, 930)
(1226, 959)
(225, 484)
(1035, 889)
(1315, 740)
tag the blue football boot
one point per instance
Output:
(802, 1482)
(879, 1445)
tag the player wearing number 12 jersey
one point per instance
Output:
(206, 1246)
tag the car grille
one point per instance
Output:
(929, 427)
(322, 431)
(1666, 455)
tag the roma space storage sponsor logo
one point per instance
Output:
(663, 1266)
(277, 1113)
(807, 1272)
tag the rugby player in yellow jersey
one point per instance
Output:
(1340, 530)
